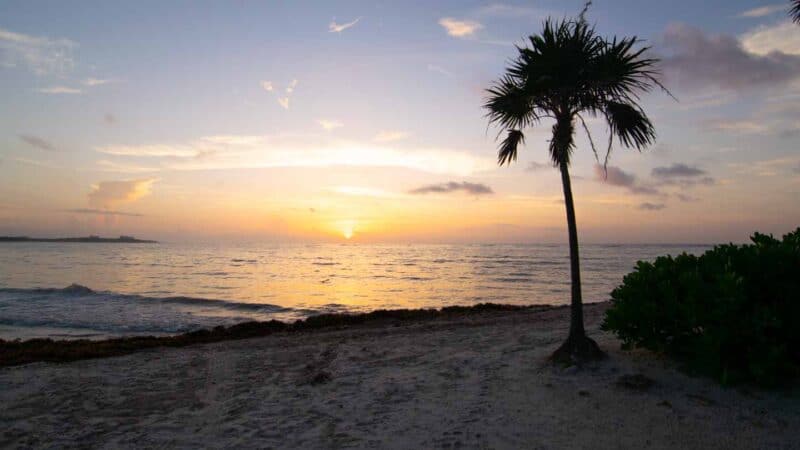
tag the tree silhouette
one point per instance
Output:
(794, 12)
(563, 74)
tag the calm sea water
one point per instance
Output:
(169, 288)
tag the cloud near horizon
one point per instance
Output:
(36, 141)
(677, 170)
(476, 189)
(107, 194)
(682, 175)
(460, 28)
(615, 176)
(107, 212)
(647, 206)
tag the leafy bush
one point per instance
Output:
(732, 313)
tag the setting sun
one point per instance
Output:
(347, 228)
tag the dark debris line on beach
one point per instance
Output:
(18, 352)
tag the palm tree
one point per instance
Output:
(794, 12)
(565, 73)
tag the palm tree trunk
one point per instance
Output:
(578, 348)
(576, 329)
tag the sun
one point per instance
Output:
(347, 228)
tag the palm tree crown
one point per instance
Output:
(566, 72)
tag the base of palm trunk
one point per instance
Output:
(577, 350)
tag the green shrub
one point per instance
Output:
(732, 313)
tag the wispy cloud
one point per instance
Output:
(534, 166)
(361, 191)
(291, 86)
(157, 150)
(106, 194)
(283, 100)
(390, 136)
(97, 81)
(765, 40)
(112, 166)
(440, 69)
(334, 27)
(511, 11)
(734, 126)
(763, 11)
(476, 189)
(768, 167)
(34, 162)
(293, 150)
(59, 90)
(459, 28)
(36, 141)
(329, 125)
(40, 55)
(106, 212)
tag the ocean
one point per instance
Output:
(69, 290)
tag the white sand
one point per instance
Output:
(480, 382)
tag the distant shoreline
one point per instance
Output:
(88, 239)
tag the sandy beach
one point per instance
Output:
(479, 381)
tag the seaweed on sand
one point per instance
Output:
(16, 352)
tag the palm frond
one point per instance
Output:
(554, 63)
(794, 12)
(621, 72)
(508, 148)
(509, 105)
(630, 125)
(589, 135)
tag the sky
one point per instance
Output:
(357, 121)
